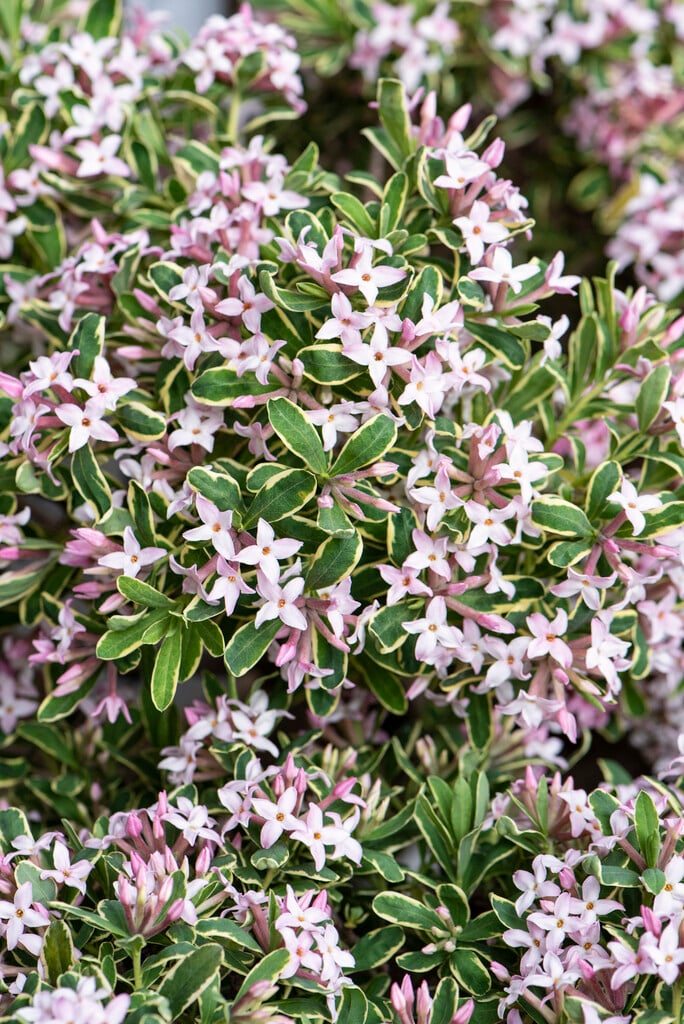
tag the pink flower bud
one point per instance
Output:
(566, 878)
(495, 623)
(133, 826)
(464, 1013)
(494, 153)
(652, 923)
(499, 971)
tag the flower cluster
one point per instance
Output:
(336, 514)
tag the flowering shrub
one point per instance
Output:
(326, 536)
(609, 75)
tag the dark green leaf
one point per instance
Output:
(248, 644)
(285, 493)
(403, 910)
(298, 434)
(334, 561)
(57, 953)
(103, 18)
(268, 969)
(90, 480)
(652, 394)
(217, 487)
(368, 444)
(326, 364)
(188, 978)
(140, 422)
(375, 948)
(165, 675)
(647, 824)
(470, 972)
(555, 515)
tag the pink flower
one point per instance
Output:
(19, 916)
(546, 638)
(500, 270)
(266, 552)
(280, 604)
(634, 505)
(368, 279)
(100, 158)
(86, 423)
(316, 836)
(278, 817)
(132, 558)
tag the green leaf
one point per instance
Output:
(394, 115)
(226, 930)
(44, 889)
(532, 388)
(603, 805)
(617, 876)
(375, 948)
(480, 721)
(436, 836)
(19, 584)
(140, 422)
(355, 212)
(248, 644)
(90, 480)
(393, 203)
(445, 1002)
(268, 969)
(334, 521)
(165, 674)
(366, 445)
(57, 952)
(218, 487)
(334, 560)
(654, 879)
(326, 364)
(298, 434)
(102, 18)
(662, 520)
(118, 642)
(10, 17)
(141, 513)
(386, 625)
(353, 1005)
(604, 481)
(50, 740)
(555, 515)
(652, 394)
(275, 857)
(506, 912)
(212, 638)
(13, 823)
(647, 825)
(199, 157)
(567, 552)
(502, 344)
(189, 977)
(470, 972)
(384, 864)
(456, 902)
(88, 337)
(220, 386)
(294, 302)
(284, 494)
(403, 910)
(387, 687)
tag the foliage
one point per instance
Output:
(326, 538)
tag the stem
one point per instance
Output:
(137, 967)
(677, 1000)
